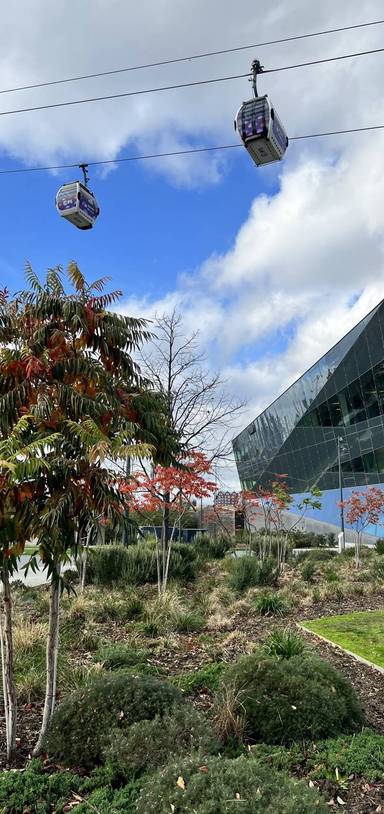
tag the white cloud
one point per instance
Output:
(44, 40)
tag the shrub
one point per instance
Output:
(361, 754)
(379, 546)
(248, 572)
(293, 699)
(114, 564)
(82, 722)
(271, 604)
(183, 564)
(308, 571)
(149, 744)
(222, 785)
(212, 548)
(284, 644)
(207, 678)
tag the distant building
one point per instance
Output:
(227, 498)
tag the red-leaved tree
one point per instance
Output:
(363, 509)
(178, 487)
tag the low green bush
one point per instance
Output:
(207, 678)
(290, 700)
(249, 572)
(82, 722)
(269, 604)
(114, 564)
(379, 546)
(284, 644)
(149, 744)
(361, 755)
(36, 790)
(221, 786)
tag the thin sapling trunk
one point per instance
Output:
(51, 658)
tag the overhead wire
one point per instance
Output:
(173, 153)
(183, 84)
(191, 57)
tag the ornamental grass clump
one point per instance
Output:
(82, 723)
(221, 786)
(287, 700)
(249, 572)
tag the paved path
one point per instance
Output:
(33, 579)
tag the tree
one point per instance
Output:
(273, 503)
(363, 509)
(70, 387)
(200, 412)
(174, 487)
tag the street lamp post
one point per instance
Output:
(342, 534)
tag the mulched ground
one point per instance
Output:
(189, 654)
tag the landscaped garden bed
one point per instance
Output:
(194, 641)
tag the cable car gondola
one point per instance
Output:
(76, 203)
(259, 127)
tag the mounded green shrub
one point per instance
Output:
(220, 786)
(292, 699)
(82, 723)
(150, 744)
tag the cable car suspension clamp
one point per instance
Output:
(256, 70)
(84, 167)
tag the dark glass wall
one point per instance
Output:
(342, 395)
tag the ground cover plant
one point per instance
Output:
(361, 633)
(221, 784)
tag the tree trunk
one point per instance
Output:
(9, 689)
(51, 659)
(84, 559)
(357, 551)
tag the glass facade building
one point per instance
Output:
(342, 395)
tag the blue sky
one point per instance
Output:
(271, 265)
(148, 233)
